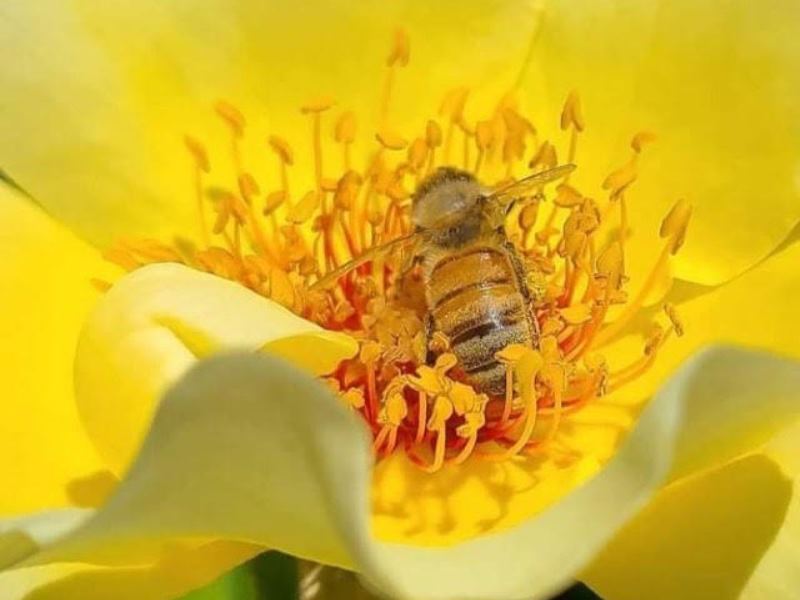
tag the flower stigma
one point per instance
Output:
(407, 381)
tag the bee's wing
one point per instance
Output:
(526, 185)
(331, 278)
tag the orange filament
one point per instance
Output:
(278, 245)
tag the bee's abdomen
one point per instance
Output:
(476, 302)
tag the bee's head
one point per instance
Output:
(449, 198)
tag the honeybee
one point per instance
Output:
(473, 277)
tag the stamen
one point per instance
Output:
(407, 382)
(201, 165)
(526, 368)
(572, 121)
(452, 109)
(673, 228)
(398, 57)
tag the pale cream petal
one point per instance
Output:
(156, 323)
(777, 576)
(286, 465)
(182, 568)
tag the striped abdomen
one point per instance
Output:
(475, 298)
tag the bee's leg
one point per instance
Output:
(522, 285)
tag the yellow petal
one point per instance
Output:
(778, 572)
(115, 162)
(700, 538)
(45, 274)
(718, 84)
(154, 324)
(756, 310)
(291, 470)
(182, 569)
(733, 530)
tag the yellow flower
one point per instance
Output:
(203, 448)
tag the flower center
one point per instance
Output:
(477, 337)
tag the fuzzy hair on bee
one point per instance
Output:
(448, 207)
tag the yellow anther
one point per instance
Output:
(576, 314)
(567, 196)
(370, 352)
(329, 185)
(654, 339)
(445, 362)
(516, 124)
(571, 224)
(513, 147)
(394, 409)
(225, 207)
(417, 153)
(641, 139)
(198, 152)
(483, 134)
(453, 104)
(231, 115)
(396, 191)
(345, 130)
(343, 311)
(528, 215)
(675, 224)
(280, 288)
(674, 318)
(545, 157)
(305, 209)
(248, 186)
(434, 380)
(347, 190)
(273, 201)
(589, 217)
(317, 105)
(354, 397)
(351, 179)
(439, 342)
(281, 147)
(531, 361)
(473, 422)
(619, 180)
(511, 354)
(550, 352)
(574, 244)
(390, 140)
(610, 262)
(401, 49)
(572, 115)
(552, 326)
(433, 134)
